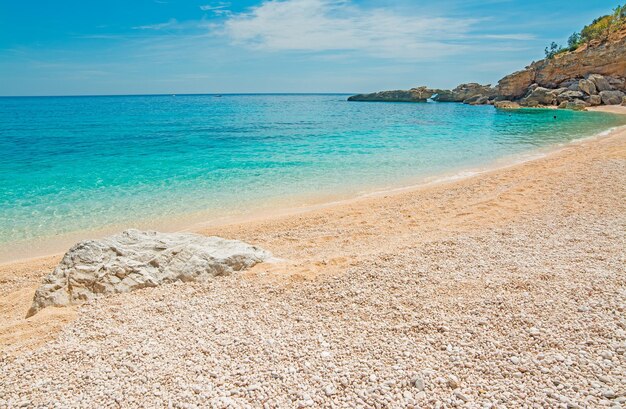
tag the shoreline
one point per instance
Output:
(264, 214)
(34, 268)
(197, 221)
(501, 289)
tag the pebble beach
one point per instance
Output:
(506, 289)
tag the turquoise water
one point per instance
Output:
(72, 164)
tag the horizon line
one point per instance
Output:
(175, 94)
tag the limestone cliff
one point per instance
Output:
(591, 73)
(607, 58)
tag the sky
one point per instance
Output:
(79, 47)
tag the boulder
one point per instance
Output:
(568, 83)
(577, 105)
(559, 91)
(617, 83)
(506, 105)
(574, 87)
(569, 96)
(595, 100)
(624, 101)
(611, 97)
(601, 83)
(587, 86)
(420, 94)
(482, 100)
(539, 96)
(136, 259)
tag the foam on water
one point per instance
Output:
(74, 166)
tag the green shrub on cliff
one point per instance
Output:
(599, 29)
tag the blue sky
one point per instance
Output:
(83, 47)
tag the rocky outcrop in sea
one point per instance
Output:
(471, 93)
(420, 94)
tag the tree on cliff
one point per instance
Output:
(553, 50)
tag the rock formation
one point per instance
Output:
(538, 96)
(593, 61)
(506, 104)
(420, 94)
(593, 74)
(467, 93)
(586, 86)
(136, 259)
(515, 86)
(611, 97)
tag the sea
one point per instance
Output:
(77, 167)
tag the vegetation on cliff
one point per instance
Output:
(600, 29)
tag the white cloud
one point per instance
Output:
(171, 23)
(327, 25)
(217, 8)
(343, 27)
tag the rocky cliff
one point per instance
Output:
(592, 74)
(607, 58)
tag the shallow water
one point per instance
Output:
(71, 164)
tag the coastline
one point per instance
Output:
(287, 234)
(439, 248)
(494, 289)
(50, 247)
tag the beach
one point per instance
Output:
(506, 288)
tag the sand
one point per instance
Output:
(505, 289)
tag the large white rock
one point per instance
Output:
(136, 259)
